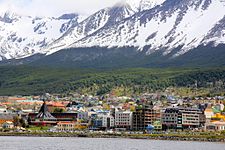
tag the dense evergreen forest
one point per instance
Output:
(23, 80)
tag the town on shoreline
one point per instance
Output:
(148, 116)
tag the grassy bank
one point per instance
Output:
(175, 137)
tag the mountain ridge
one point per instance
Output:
(22, 35)
(169, 28)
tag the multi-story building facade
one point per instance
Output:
(170, 118)
(182, 118)
(108, 121)
(145, 116)
(123, 119)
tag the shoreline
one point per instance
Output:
(199, 138)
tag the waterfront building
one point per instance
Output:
(65, 126)
(58, 117)
(44, 117)
(6, 118)
(8, 125)
(170, 118)
(97, 124)
(192, 118)
(145, 116)
(123, 119)
(182, 118)
(108, 121)
(215, 126)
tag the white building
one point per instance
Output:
(108, 121)
(123, 119)
(208, 114)
(7, 125)
(215, 126)
(3, 109)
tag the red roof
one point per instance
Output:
(27, 103)
(55, 104)
(6, 103)
(17, 98)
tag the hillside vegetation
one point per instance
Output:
(22, 80)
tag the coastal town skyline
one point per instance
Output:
(112, 74)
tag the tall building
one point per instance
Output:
(144, 116)
(123, 119)
(170, 119)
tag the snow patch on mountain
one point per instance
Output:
(22, 36)
(153, 24)
(183, 23)
(141, 5)
(101, 19)
(195, 26)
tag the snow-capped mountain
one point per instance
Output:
(104, 18)
(187, 23)
(22, 36)
(154, 25)
(141, 5)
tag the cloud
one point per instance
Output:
(54, 7)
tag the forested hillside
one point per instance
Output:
(27, 80)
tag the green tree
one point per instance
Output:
(58, 110)
(16, 121)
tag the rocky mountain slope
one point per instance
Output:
(176, 23)
(171, 29)
(22, 36)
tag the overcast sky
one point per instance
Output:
(54, 7)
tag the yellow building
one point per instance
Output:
(80, 126)
(218, 117)
(217, 123)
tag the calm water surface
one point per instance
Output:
(50, 143)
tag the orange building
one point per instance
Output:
(218, 117)
(5, 118)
